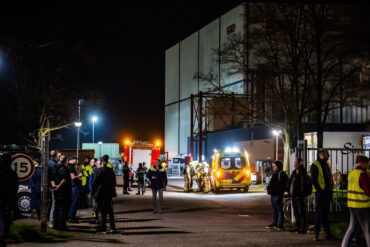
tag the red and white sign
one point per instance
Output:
(23, 165)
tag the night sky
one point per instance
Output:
(129, 43)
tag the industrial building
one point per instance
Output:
(197, 54)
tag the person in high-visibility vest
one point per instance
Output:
(323, 186)
(358, 197)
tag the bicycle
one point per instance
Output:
(287, 209)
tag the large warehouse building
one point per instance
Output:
(197, 54)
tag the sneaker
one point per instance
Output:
(101, 230)
(270, 226)
(143, 193)
(278, 228)
(73, 221)
(113, 231)
(138, 193)
(51, 225)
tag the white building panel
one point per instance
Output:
(188, 66)
(172, 129)
(184, 126)
(232, 20)
(172, 75)
(208, 57)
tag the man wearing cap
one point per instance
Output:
(358, 194)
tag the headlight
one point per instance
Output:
(218, 174)
(247, 172)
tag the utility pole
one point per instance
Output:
(44, 181)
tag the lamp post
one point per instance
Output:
(94, 119)
(78, 125)
(276, 133)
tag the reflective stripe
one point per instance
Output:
(358, 200)
(356, 192)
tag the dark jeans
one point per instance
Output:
(5, 221)
(360, 217)
(61, 212)
(141, 185)
(322, 210)
(125, 183)
(299, 208)
(105, 207)
(75, 196)
(277, 210)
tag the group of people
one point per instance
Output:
(128, 178)
(201, 172)
(74, 186)
(300, 185)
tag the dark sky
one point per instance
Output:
(129, 41)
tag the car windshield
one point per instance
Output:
(229, 163)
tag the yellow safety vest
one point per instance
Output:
(109, 165)
(153, 169)
(356, 197)
(320, 177)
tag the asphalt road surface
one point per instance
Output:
(189, 219)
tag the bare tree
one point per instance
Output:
(48, 78)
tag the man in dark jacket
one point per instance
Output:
(8, 193)
(322, 181)
(104, 189)
(126, 177)
(62, 188)
(158, 178)
(276, 188)
(297, 189)
(52, 164)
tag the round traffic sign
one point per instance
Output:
(23, 165)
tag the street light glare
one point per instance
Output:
(78, 124)
(100, 143)
(276, 132)
(94, 119)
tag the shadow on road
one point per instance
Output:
(155, 232)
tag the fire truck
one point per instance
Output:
(138, 152)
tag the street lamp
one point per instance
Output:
(94, 119)
(276, 133)
(78, 125)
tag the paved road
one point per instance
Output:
(190, 219)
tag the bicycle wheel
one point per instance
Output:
(287, 209)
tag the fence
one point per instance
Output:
(342, 160)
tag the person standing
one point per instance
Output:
(61, 184)
(86, 172)
(104, 189)
(8, 193)
(76, 188)
(322, 180)
(140, 176)
(126, 178)
(299, 187)
(96, 165)
(188, 174)
(52, 164)
(276, 189)
(158, 178)
(358, 194)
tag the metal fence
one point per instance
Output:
(342, 160)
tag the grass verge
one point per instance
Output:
(21, 232)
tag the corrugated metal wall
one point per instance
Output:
(183, 61)
(111, 149)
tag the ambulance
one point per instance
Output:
(230, 170)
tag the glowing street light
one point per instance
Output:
(276, 133)
(94, 119)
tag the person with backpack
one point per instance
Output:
(276, 189)
(299, 187)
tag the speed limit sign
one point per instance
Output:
(23, 165)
